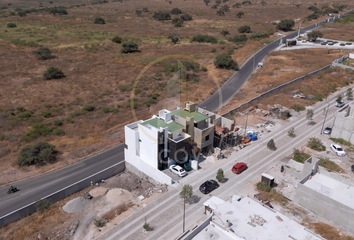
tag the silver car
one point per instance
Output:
(327, 130)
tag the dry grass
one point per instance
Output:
(96, 71)
(329, 232)
(117, 211)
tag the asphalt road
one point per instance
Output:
(221, 97)
(34, 189)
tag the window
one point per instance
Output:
(207, 138)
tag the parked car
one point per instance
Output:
(340, 104)
(187, 167)
(208, 186)
(178, 170)
(353, 168)
(327, 130)
(239, 167)
(337, 149)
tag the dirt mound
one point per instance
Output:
(118, 195)
(75, 205)
(98, 191)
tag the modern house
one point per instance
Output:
(170, 137)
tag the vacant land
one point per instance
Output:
(97, 74)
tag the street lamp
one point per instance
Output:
(184, 207)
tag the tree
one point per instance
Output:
(138, 12)
(11, 25)
(225, 8)
(145, 9)
(117, 39)
(246, 3)
(37, 154)
(263, 3)
(291, 132)
(185, 194)
(206, 2)
(220, 12)
(174, 38)
(43, 53)
(161, 16)
(312, 36)
(244, 29)
(224, 32)
(225, 61)
(285, 25)
(271, 145)
(129, 47)
(53, 73)
(339, 99)
(58, 10)
(186, 17)
(99, 20)
(240, 14)
(349, 93)
(220, 175)
(176, 11)
(236, 5)
(309, 114)
(177, 22)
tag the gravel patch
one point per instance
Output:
(75, 205)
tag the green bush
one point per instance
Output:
(176, 11)
(117, 39)
(21, 13)
(46, 114)
(11, 25)
(53, 73)
(177, 22)
(225, 61)
(106, 109)
(316, 144)
(298, 107)
(58, 132)
(341, 141)
(204, 39)
(100, 222)
(78, 112)
(161, 16)
(43, 205)
(186, 17)
(261, 186)
(58, 122)
(220, 175)
(238, 39)
(129, 47)
(37, 130)
(256, 36)
(300, 156)
(285, 25)
(88, 108)
(271, 145)
(26, 114)
(99, 20)
(37, 154)
(329, 165)
(43, 53)
(244, 29)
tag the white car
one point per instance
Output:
(178, 170)
(337, 149)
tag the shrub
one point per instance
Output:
(26, 114)
(291, 132)
(58, 10)
(174, 38)
(37, 154)
(43, 53)
(37, 130)
(46, 114)
(312, 16)
(224, 32)
(258, 35)
(146, 226)
(21, 14)
(220, 175)
(123, 88)
(236, 5)
(58, 132)
(138, 13)
(129, 47)
(186, 17)
(100, 222)
(240, 14)
(177, 22)
(244, 29)
(316, 144)
(215, 6)
(58, 122)
(225, 61)
(43, 205)
(300, 156)
(145, 9)
(298, 107)
(106, 109)
(261, 186)
(286, 25)
(246, 3)
(99, 20)
(53, 73)
(88, 108)
(117, 39)
(329, 165)
(161, 16)
(341, 141)
(204, 39)
(238, 39)
(176, 11)
(271, 145)
(11, 25)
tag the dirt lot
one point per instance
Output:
(113, 200)
(97, 74)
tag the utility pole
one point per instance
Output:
(324, 120)
(253, 61)
(298, 34)
(244, 135)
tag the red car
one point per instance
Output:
(239, 167)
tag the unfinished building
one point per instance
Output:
(343, 126)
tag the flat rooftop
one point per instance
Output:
(157, 123)
(332, 188)
(183, 114)
(252, 221)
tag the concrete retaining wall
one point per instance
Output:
(325, 206)
(73, 188)
(200, 227)
(334, 64)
